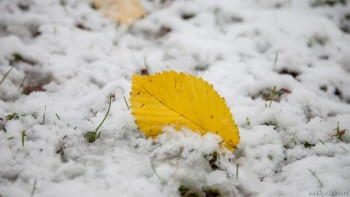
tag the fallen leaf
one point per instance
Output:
(123, 11)
(342, 132)
(29, 89)
(181, 100)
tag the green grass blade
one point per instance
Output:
(6, 74)
(109, 107)
(126, 102)
(319, 181)
(23, 135)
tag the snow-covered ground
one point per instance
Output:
(68, 58)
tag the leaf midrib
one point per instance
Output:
(174, 110)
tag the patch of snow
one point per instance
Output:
(67, 59)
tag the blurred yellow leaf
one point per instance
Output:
(123, 11)
(181, 100)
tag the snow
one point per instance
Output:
(244, 48)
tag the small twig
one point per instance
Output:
(61, 150)
(127, 105)
(237, 170)
(34, 187)
(6, 74)
(313, 173)
(156, 173)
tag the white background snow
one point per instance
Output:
(244, 48)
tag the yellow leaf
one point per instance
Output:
(123, 11)
(181, 100)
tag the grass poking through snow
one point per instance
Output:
(58, 117)
(319, 181)
(23, 136)
(13, 116)
(5, 76)
(126, 102)
(248, 121)
(91, 136)
(43, 122)
(339, 133)
(276, 60)
(273, 95)
(321, 142)
(33, 189)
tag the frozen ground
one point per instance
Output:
(68, 58)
